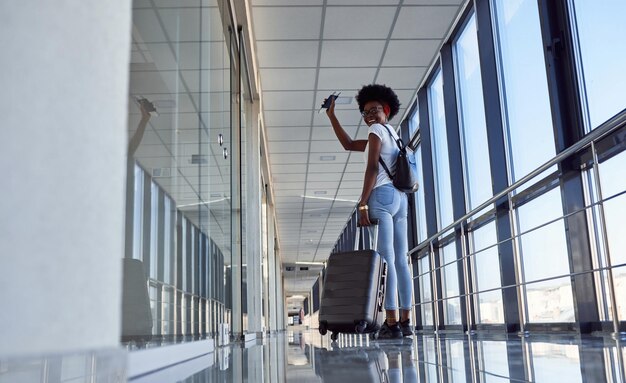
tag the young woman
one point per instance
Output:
(382, 201)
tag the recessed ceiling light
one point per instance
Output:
(327, 158)
(163, 104)
(344, 100)
(320, 192)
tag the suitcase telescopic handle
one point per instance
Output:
(373, 231)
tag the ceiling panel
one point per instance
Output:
(288, 134)
(327, 158)
(286, 2)
(288, 177)
(410, 52)
(401, 78)
(333, 79)
(358, 22)
(283, 100)
(351, 53)
(326, 168)
(285, 54)
(333, 146)
(289, 158)
(289, 169)
(287, 79)
(289, 118)
(322, 185)
(347, 118)
(424, 22)
(287, 23)
(288, 147)
(363, 2)
(320, 177)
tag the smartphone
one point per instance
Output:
(147, 105)
(329, 100)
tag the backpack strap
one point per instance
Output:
(400, 146)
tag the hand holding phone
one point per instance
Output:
(329, 100)
(146, 107)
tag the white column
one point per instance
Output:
(253, 226)
(63, 110)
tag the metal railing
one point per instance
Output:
(586, 143)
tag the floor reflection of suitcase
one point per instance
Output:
(136, 312)
(353, 290)
(351, 365)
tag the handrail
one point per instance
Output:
(598, 133)
(519, 235)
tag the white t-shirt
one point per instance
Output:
(388, 151)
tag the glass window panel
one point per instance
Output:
(184, 265)
(138, 213)
(414, 122)
(167, 241)
(473, 127)
(420, 199)
(494, 359)
(431, 359)
(192, 258)
(613, 181)
(544, 255)
(154, 228)
(555, 362)
(528, 122)
(450, 284)
(550, 301)
(456, 361)
(487, 274)
(443, 187)
(602, 46)
(181, 66)
(425, 291)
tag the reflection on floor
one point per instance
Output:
(302, 356)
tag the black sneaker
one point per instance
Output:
(388, 332)
(406, 329)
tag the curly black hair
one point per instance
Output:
(381, 93)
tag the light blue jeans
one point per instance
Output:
(389, 206)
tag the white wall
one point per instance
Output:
(63, 100)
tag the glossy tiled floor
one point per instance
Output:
(305, 356)
(302, 356)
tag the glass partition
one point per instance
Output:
(441, 163)
(473, 127)
(601, 52)
(544, 254)
(179, 137)
(523, 85)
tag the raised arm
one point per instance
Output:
(346, 141)
(133, 143)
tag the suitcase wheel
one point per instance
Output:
(334, 336)
(360, 327)
(323, 328)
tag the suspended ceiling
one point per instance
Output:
(307, 49)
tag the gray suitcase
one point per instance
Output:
(353, 291)
(136, 312)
